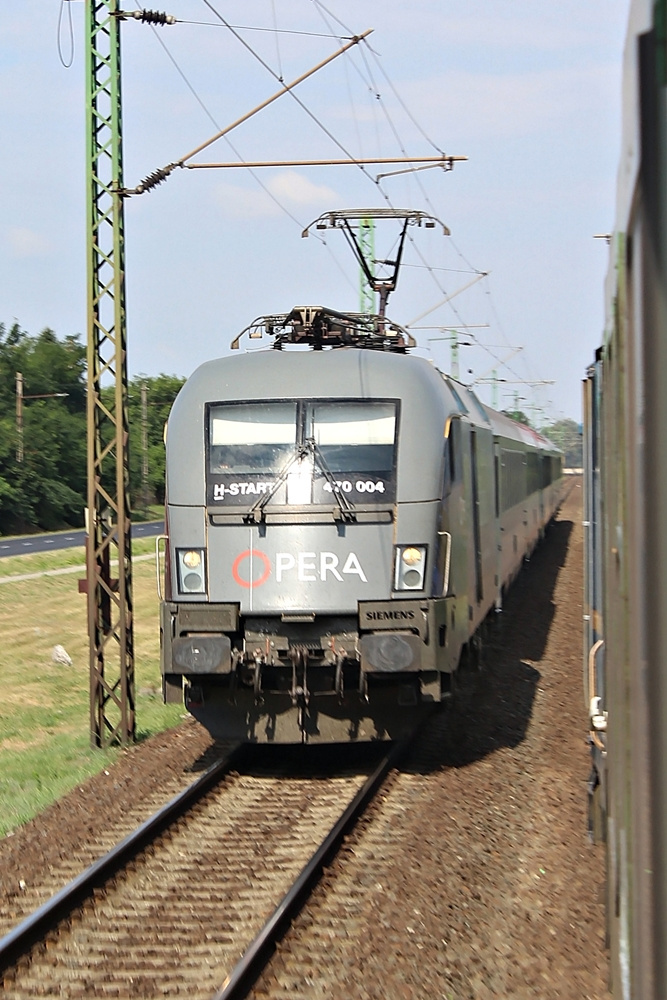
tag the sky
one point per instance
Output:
(528, 90)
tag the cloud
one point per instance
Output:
(24, 242)
(293, 187)
(288, 190)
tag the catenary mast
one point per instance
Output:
(112, 698)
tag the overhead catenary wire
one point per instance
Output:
(160, 175)
(414, 170)
(216, 125)
(275, 35)
(356, 39)
(259, 28)
(67, 62)
(323, 10)
(385, 195)
(241, 163)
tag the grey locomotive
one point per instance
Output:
(625, 538)
(341, 518)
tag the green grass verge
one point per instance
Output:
(44, 722)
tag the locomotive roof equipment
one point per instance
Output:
(363, 217)
(317, 327)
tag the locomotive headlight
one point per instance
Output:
(191, 575)
(409, 567)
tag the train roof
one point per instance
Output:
(346, 373)
(305, 364)
(504, 426)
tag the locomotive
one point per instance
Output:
(625, 610)
(341, 518)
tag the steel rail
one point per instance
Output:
(247, 970)
(30, 931)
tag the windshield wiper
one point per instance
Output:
(346, 509)
(256, 512)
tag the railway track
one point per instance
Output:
(216, 874)
(468, 876)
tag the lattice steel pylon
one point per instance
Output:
(367, 249)
(112, 699)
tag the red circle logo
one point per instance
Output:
(251, 554)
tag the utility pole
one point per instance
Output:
(144, 445)
(19, 417)
(112, 696)
(20, 397)
(110, 619)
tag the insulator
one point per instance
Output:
(153, 17)
(154, 179)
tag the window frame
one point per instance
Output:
(304, 412)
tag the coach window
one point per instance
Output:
(249, 438)
(354, 437)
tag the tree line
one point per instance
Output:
(43, 466)
(565, 434)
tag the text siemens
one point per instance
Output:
(392, 616)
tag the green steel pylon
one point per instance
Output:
(112, 698)
(367, 250)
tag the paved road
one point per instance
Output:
(67, 539)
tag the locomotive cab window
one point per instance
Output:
(251, 437)
(355, 437)
(331, 446)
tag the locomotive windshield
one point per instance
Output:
(352, 437)
(350, 444)
(251, 437)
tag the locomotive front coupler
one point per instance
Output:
(299, 693)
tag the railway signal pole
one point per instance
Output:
(112, 696)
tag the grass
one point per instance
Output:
(44, 722)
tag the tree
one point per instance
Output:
(47, 489)
(517, 415)
(566, 435)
